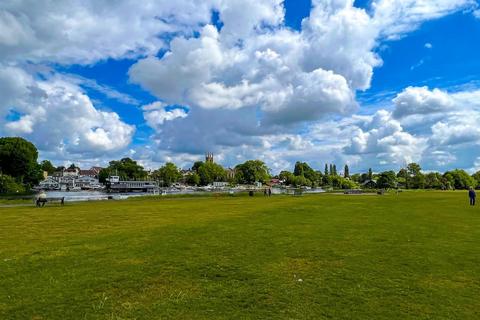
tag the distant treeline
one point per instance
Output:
(20, 171)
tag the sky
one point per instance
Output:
(368, 83)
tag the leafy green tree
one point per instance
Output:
(434, 180)
(326, 170)
(303, 169)
(298, 171)
(9, 185)
(103, 175)
(252, 171)
(192, 179)
(300, 181)
(168, 174)
(415, 178)
(460, 179)
(47, 166)
(331, 169)
(346, 172)
(476, 176)
(370, 174)
(355, 177)
(334, 170)
(286, 176)
(387, 180)
(197, 165)
(18, 159)
(210, 172)
(126, 169)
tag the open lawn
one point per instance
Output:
(416, 255)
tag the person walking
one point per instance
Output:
(472, 195)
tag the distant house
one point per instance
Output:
(274, 182)
(96, 170)
(230, 173)
(88, 173)
(220, 184)
(50, 183)
(86, 182)
(71, 172)
(369, 184)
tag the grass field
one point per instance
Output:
(412, 256)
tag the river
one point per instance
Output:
(101, 195)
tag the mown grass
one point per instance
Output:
(415, 255)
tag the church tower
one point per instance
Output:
(209, 157)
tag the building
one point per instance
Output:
(71, 172)
(220, 184)
(50, 183)
(87, 182)
(209, 157)
(88, 173)
(230, 173)
(114, 184)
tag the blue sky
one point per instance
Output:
(371, 84)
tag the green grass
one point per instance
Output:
(412, 256)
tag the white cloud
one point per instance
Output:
(428, 45)
(57, 116)
(156, 114)
(253, 89)
(420, 100)
(88, 31)
(395, 18)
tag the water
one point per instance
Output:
(102, 195)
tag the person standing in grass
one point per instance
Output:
(472, 195)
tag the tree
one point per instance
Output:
(18, 159)
(192, 179)
(326, 170)
(168, 174)
(476, 176)
(300, 181)
(334, 170)
(252, 171)
(286, 176)
(370, 174)
(9, 185)
(298, 171)
(103, 175)
(434, 180)
(331, 169)
(197, 165)
(126, 169)
(47, 166)
(387, 180)
(415, 179)
(346, 172)
(210, 172)
(460, 179)
(303, 169)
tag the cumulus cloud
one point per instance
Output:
(420, 100)
(249, 84)
(57, 115)
(88, 31)
(157, 113)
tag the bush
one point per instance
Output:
(8, 185)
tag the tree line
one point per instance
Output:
(20, 171)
